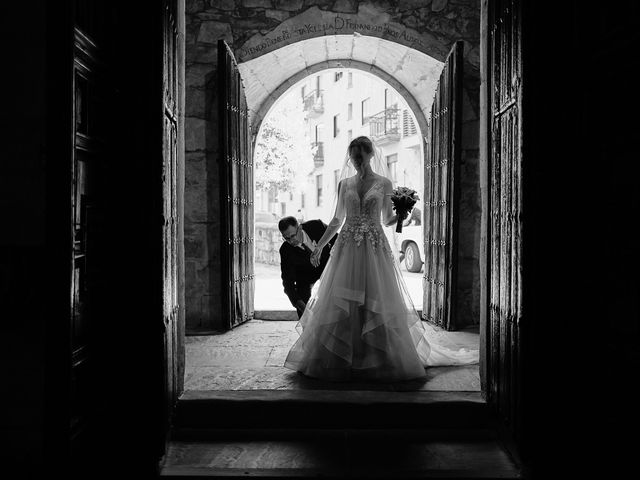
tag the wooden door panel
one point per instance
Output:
(236, 193)
(441, 193)
(504, 73)
(88, 224)
(169, 206)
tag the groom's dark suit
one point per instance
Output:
(298, 274)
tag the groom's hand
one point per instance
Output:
(315, 256)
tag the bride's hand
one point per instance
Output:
(315, 257)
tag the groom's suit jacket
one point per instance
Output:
(298, 274)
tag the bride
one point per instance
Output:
(360, 322)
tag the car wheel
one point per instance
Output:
(412, 258)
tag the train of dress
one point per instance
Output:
(360, 322)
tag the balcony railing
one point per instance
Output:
(318, 156)
(314, 103)
(385, 126)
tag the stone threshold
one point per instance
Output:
(335, 409)
(284, 315)
(362, 455)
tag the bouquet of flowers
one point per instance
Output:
(403, 200)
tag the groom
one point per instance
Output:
(298, 274)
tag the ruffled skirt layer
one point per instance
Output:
(360, 322)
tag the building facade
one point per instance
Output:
(342, 104)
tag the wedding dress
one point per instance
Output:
(360, 322)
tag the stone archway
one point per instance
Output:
(255, 28)
(412, 74)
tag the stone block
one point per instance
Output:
(193, 248)
(194, 134)
(195, 105)
(345, 6)
(196, 75)
(202, 53)
(439, 5)
(195, 203)
(405, 5)
(471, 53)
(411, 21)
(211, 31)
(191, 33)
(257, 3)
(289, 5)
(322, 4)
(223, 4)
(442, 27)
(197, 241)
(194, 6)
(277, 14)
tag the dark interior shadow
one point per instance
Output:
(303, 382)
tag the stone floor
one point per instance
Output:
(251, 357)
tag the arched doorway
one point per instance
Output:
(391, 38)
(237, 201)
(319, 115)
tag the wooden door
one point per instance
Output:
(170, 102)
(236, 193)
(441, 194)
(504, 96)
(88, 195)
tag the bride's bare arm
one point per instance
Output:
(388, 217)
(336, 221)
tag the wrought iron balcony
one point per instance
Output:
(314, 103)
(318, 156)
(384, 127)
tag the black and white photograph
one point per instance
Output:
(373, 239)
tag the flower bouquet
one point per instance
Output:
(403, 200)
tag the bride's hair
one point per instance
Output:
(358, 147)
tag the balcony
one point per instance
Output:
(384, 127)
(313, 103)
(318, 156)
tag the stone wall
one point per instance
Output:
(268, 240)
(255, 27)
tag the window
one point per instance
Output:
(319, 190)
(336, 177)
(392, 162)
(349, 135)
(349, 80)
(290, 196)
(302, 90)
(318, 133)
(390, 99)
(283, 207)
(336, 128)
(318, 85)
(365, 111)
(408, 125)
(350, 111)
(337, 76)
(302, 200)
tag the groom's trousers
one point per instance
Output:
(304, 291)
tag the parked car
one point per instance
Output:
(411, 244)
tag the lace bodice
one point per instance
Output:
(363, 215)
(370, 205)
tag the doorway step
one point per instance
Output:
(335, 434)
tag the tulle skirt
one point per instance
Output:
(360, 322)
